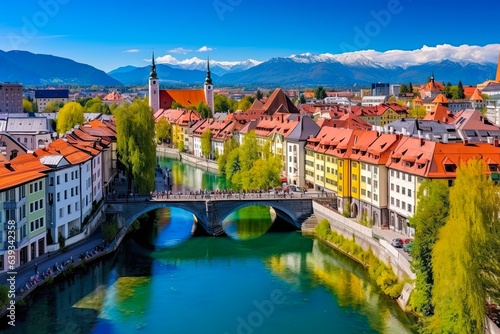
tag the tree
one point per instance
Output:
(245, 103)
(258, 94)
(417, 112)
(206, 143)
(203, 110)
(461, 94)
(69, 116)
(410, 88)
(27, 106)
(302, 99)
(320, 93)
(135, 128)
(447, 90)
(176, 105)
(53, 106)
(430, 216)
(163, 130)
(229, 146)
(224, 104)
(35, 106)
(465, 257)
(404, 89)
(95, 105)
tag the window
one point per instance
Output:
(72, 192)
(69, 209)
(41, 204)
(397, 188)
(76, 174)
(354, 177)
(40, 186)
(403, 190)
(403, 205)
(363, 179)
(58, 179)
(61, 213)
(31, 188)
(51, 181)
(375, 184)
(397, 203)
(363, 192)
(66, 177)
(392, 186)
(409, 178)
(392, 200)
(409, 192)
(355, 190)
(58, 197)
(369, 194)
(403, 175)
(31, 207)
(375, 170)
(76, 206)
(375, 197)
(409, 207)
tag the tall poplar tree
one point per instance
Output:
(465, 257)
(135, 129)
(206, 142)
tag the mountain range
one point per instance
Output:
(343, 70)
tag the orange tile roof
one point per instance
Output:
(440, 113)
(476, 96)
(498, 69)
(71, 153)
(440, 99)
(434, 86)
(187, 97)
(14, 179)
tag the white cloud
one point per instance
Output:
(166, 59)
(426, 54)
(204, 49)
(180, 50)
(132, 51)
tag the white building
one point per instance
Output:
(402, 200)
(372, 101)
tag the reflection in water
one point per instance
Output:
(187, 177)
(249, 223)
(172, 227)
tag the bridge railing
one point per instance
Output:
(163, 196)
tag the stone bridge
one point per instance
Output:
(209, 211)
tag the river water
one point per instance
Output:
(162, 280)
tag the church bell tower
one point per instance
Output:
(209, 89)
(154, 85)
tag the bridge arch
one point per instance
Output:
(275, 205)
(160, 205)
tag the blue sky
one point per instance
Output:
(100, 32)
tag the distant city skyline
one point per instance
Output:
(108, 35)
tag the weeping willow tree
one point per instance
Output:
(135, 129)
(465, 257)
(431, 215)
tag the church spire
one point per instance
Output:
(153, 74)
(208, 80)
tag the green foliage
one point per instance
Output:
(27, 106)
(224, 104)
(461, 94)
(430, 216)
(95, 105)
(69, 116)
(465, 257)
(4, 295)
(53, 106)
(110, 230)
(302, 99)
(203, 110)
(62, 241)
(319, 93)
(245, 167)
(258, 94)
(179, 145)
(163, 130)
(378, 271)
(206, 142)
(365, 221)
(447, 90)
(418, 112)
(229, 145)
(136, 148)
(404, 89)
(347, 210)
(176, 105)
(245, 103)
(135, 226)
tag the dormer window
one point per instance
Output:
(450, 168)
(493, 167)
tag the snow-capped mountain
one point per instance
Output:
(217, 67)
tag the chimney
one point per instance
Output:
(490, 140)
(495, 142)
(466, 142)
(420, 134)
(422, 142)
(445, 138)
(404, 131)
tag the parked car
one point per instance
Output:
(407, 241)
(397, 243)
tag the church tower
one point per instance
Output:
(154, 85)
(209, 89)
